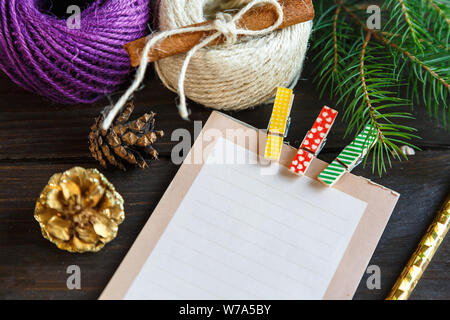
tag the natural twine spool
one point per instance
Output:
(232, 76)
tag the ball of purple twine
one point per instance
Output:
(44, 54)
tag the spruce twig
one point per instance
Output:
(366, 68)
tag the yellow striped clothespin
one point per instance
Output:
(279, 123)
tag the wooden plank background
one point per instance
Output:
(39, 138)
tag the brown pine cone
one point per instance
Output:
(124, 141)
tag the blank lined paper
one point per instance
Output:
(241, 233)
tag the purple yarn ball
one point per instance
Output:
(39, 52)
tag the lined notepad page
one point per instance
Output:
(242, 233)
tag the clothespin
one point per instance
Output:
(279, 123)
(350, 157)
(314, 141)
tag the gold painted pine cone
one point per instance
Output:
(125, 141)
(79, 210)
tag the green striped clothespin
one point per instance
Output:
(350, 157)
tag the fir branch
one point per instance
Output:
(412, 25)
(413, 58)
(364, 84)
(365, 69)
(361, 68)
(336, 15)
(439, 10)
(428, 42)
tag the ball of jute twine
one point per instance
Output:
(232, 76)
(46, 54)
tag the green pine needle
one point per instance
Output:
(377, 76)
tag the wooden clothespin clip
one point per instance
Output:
(314, 141)
(279, 123)
(350, 157)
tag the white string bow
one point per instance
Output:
(224, 25)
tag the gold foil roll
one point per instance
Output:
(417, 264)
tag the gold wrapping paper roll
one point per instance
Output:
(417, 264)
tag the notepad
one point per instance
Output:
(231, 227)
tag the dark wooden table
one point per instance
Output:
(39, 138)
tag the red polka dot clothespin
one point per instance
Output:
(313, 141)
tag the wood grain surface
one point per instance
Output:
(39, 138)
